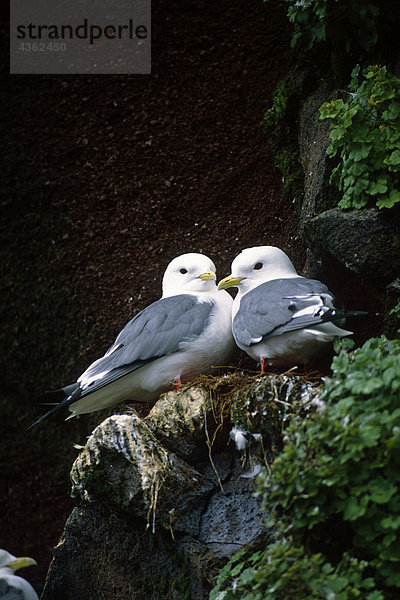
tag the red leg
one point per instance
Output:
(178, 383)
(262, 366)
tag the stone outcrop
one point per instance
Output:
(367, 241)
(123, 463)
(313, 142)
(167, 499)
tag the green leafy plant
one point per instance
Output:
(365, 133)
(333, 494)
(286, 572)
(356, 26)
(336, 485)
(395, 311)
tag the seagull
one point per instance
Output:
(173, 340)
(12, 586)
(278, 317)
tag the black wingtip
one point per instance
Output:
(337, 315)
(356, 313)
(66, 402)
(42, 418)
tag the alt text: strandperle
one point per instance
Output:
(84, 31)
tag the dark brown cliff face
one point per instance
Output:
(108, 178)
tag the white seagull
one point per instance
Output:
(278, 317)
(183, 334)
(12, 586)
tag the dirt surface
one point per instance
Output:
(107, 179)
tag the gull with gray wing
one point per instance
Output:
(183, 334)
(278, 317)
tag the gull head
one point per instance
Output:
(8, 561)
(257, 265)
(189, 273)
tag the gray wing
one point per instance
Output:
(157, 330)
(12, 594)
(161, 328)
(22, 591)
(282, 305)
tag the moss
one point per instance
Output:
(182, 585)
(167, 587)
(264, 405)
(174, 582)
(99, 483)
(255, 410)
(280, 127)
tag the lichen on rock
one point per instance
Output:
(180, 420)
(124, 463)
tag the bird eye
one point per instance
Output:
(258, 266)
(183, 271)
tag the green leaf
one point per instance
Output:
(394, 158)
(337, 133)
(392, 113)
(362, 134)
(395, 196)
(378, 187)
(389, 201)
(365, 132)
(353, 510)
(391, 522)
(248, 575)
(344, 203)
(359, 150)
(382, 490)
(237, 569)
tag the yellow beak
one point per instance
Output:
(208, 276)
(22, 561)
(229, 281)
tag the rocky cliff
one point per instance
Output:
(165, 500)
